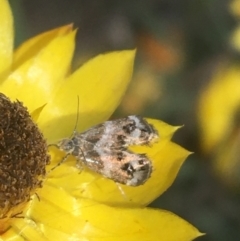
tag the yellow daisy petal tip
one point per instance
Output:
(32, 46)
(178, 127)
(36, 113)
(165, 130)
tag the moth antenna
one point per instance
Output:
(16, 215)
(73, 134)
(76, 124)
(37, 196)
(54, 144)
(62, 161)
(75, 127)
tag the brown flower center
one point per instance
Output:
(23, 157)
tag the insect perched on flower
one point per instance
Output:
(103, 149)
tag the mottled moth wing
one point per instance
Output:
(123, 166)
(103, 149)
(131, 130)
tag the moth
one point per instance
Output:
(104, 149)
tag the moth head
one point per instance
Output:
(66, 145)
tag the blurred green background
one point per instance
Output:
(180, 44)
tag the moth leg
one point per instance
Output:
(37, 196)
(18, 215)
(80, 165)
(62, 161)
(52, 145)
(121, 191)
(80, 160)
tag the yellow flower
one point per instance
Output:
(73, 205)
(219, 112)
(219, 106)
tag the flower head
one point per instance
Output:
(85, 206)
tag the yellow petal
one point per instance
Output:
(217, 106)
(6, 38)
(166, 157)
(34, 45)
(235, 8)
(226, 160)
(99, 84)
(235, 38)
(58, 216)
(36, 80)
